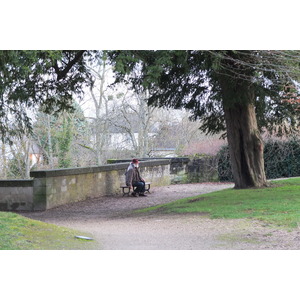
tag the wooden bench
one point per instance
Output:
(126, 189)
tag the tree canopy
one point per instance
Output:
(192, 80)
(237, 91)
(178, 79)
(47, 79)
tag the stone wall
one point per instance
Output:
(52, 188)
(185, 170)
(16, 195)
(188, 170)
(204, 169)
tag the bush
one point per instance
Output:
(224, 167)
(281, 160)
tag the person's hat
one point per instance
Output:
(135, 161)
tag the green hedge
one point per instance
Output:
(224, 167)
(282, 159)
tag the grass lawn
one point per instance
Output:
(20, 233)
(278, 204)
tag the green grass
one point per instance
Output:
(20, 233)
(278, 204)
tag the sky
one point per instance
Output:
(156, 24)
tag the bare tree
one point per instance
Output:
(98, 91)
(20, 163)
(133, 117)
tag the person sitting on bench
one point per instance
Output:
(134, 179)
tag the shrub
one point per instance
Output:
(224, 167)
(281, 159)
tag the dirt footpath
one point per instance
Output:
(106, 220)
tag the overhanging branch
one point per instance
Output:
(62, 73)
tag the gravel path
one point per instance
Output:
(106, 220)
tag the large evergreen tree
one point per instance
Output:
(48, 79)
(237, 91)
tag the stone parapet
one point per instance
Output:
(52, 188)
(16, 195)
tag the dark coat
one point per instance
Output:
(132, 175)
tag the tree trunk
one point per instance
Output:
(4, 166)
(27, 158)
(244, 140)
(49, 136)
(245, 146)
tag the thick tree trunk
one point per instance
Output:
(245, 146)
(244, 140)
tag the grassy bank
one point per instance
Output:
(20, 233)
(278, 204)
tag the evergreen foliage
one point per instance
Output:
(66, 131)
(64, 142)
(16, 166)
(47, 79)
(236, 92)
(281, 159)
(224, 166)
(193, 80)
